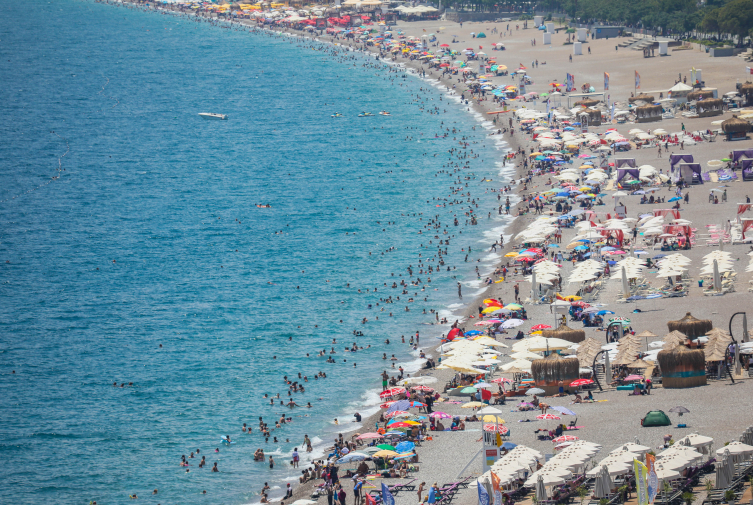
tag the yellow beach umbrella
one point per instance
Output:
(472, 405)
(492, 419)
(511, 255)
(385, 454)
(491, 309)
(534, 154)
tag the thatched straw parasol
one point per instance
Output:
(639, 363)
(565, 333)
(673, 339)
(699, 95)
(554, 368)
(646, 334)
(690, 326)
(643, 97)
(587, 351)
(735, 125)
(746, 88)
(588, 102)
(716, 347)
(647, 109)
(682, 367)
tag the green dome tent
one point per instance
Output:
(656, 418)
(481, 35)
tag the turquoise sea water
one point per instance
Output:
(150, 237)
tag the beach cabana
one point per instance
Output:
(746, 89)
(565, 333)
(735, 128)
(682, 367)
(699, 95)
(594, 116)
(588, 102)
(548, 372)
(690, 326)
(644, 97)
(648, 113)
(710, 107)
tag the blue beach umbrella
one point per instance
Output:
(674, 199)
(604, 312)
(404, 447)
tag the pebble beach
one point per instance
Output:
(720, 409)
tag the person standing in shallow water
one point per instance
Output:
(385, 377)
(460, 291)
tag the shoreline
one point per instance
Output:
(477, 111)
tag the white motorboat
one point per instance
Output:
(212, 115)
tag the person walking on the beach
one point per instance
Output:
(384, 380)
(517, 291)
(420, 490)
(659, 155)
(460, 291)
(357, 492)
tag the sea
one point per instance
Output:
(147, 302)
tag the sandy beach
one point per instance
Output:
(719, 410)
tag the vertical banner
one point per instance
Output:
(653, 479)
(387, 497)
(570, 82)
(497, 489)
(640, 482)
(483, 496)
(637, 80)
(606, 81)
(611, 114)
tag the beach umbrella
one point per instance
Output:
(550, 417)
(386, 447)
(581, 382)
(603, 485)
(367, 436)
(384, 454)
(403, 405)
(512, 323)
(540, 489)
(472, 405)
(440, 415)
(397, 413)
(489, 410)
(535, 391)
(391, 392)
(405, 446)
(353, 456)
(721, 475)
(492, 419)
(679, 410)
(564, 410)
(563, 438)
(501, 429)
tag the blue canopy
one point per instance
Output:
(405, 446)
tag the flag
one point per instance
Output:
(369, 499)
(749, 70)
(606, 81)
(640, 482)
(653, 480)
(499, 440)
(637, 80)
(483, 496)
(497, 490)
(388, 499)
